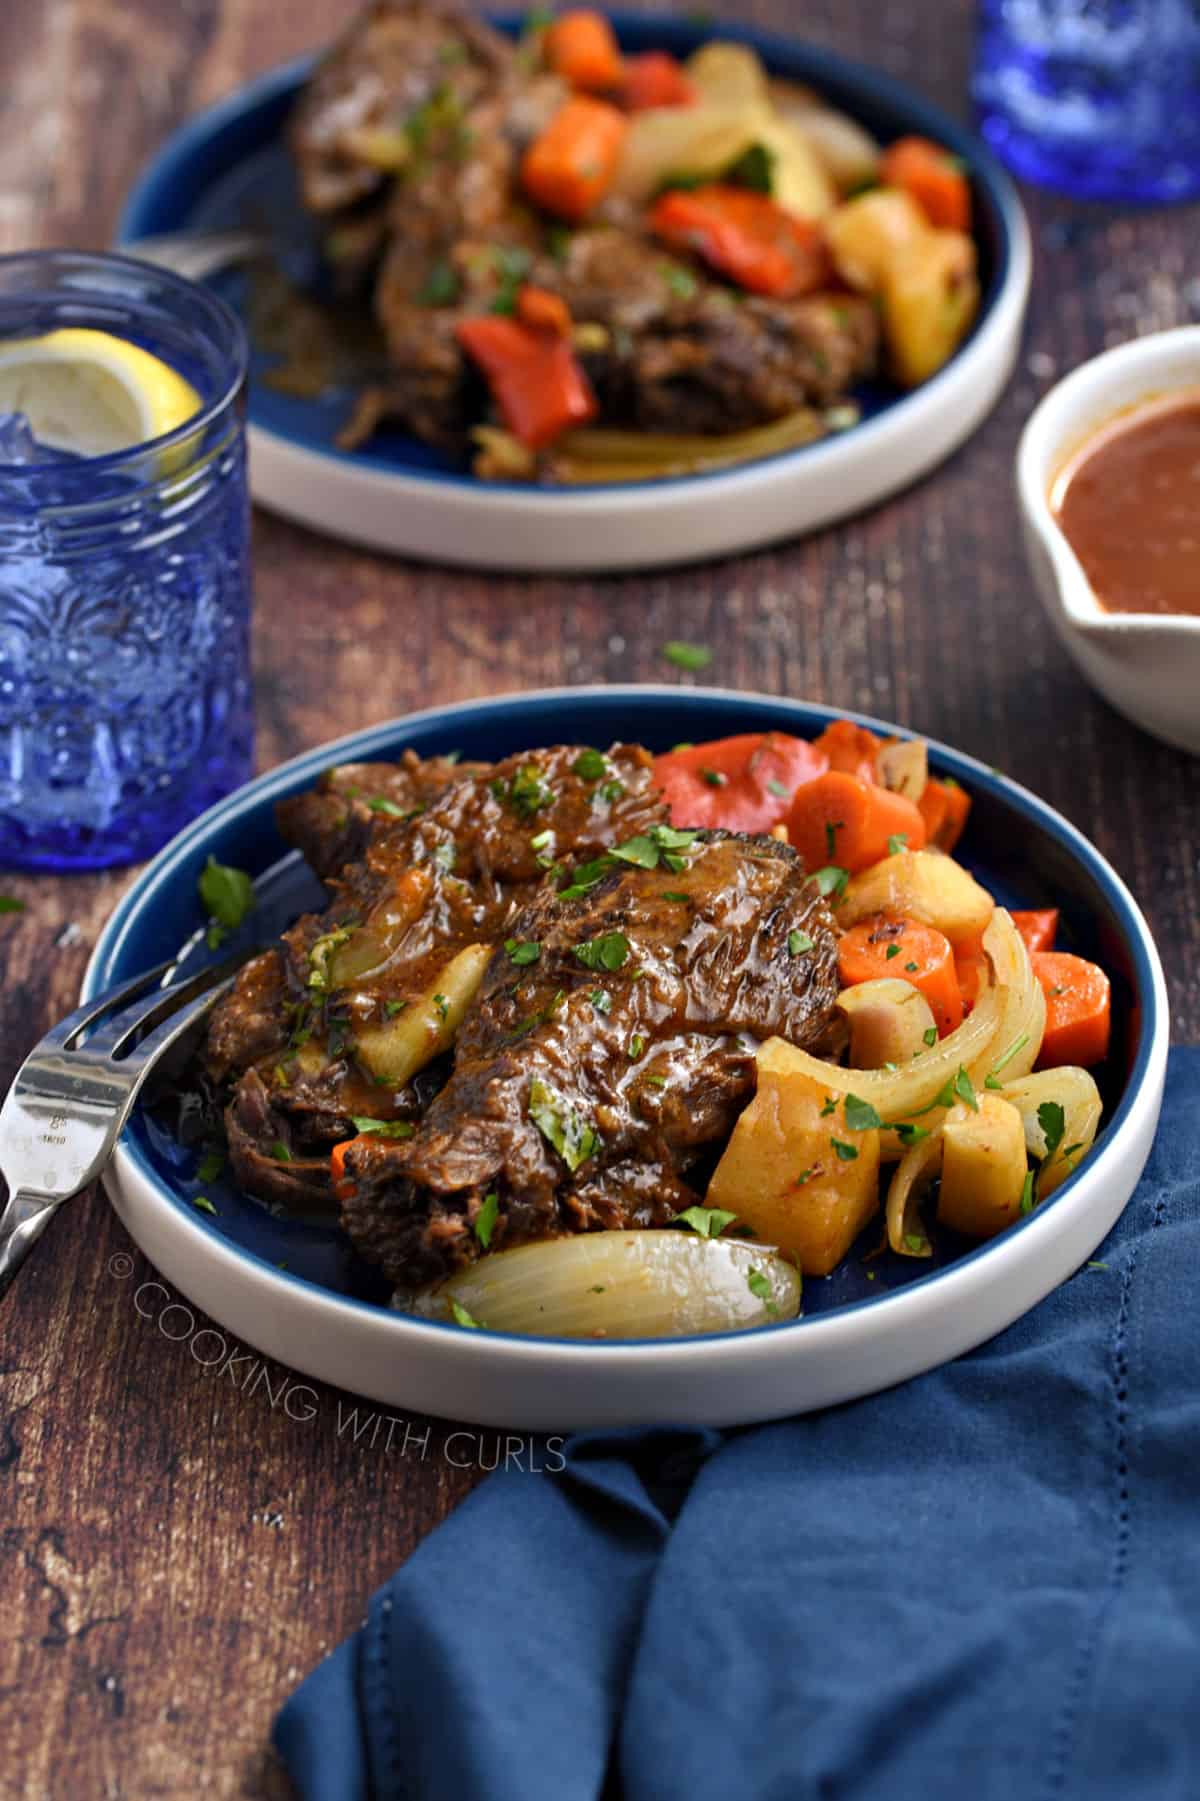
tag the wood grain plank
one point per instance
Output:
(178, 1548)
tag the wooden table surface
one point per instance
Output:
(178, 1552)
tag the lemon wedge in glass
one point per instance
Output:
(90, 392)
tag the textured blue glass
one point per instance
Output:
(125, 693)
(1099, 98)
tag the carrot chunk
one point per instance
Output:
(744, 784)
(1038, 928)
(343, 1186)
(583, 49)
(933, 177)
(944, 808)
(910, 952)
(850, 748)
(543, 310)
(842, 819)
(655, 79)
(1078, 1009)
(571, 165)
(747, 236)
(535, 379)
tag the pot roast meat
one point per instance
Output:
(432, 877)
(400, 70)
(627, 1044)
(331, 823)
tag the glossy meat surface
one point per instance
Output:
(624, 1045)
(314, 1034)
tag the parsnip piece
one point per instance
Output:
(426, 1027)
(923, 885)
(1075, 1091)
(889, 1020)
(930, 296)
(783, 1174)
(729, 73)
(865, 235)
(848, 154)
(798, 181)
(700, 141)
(660, 1284)
(983, 1167)
(904, 767)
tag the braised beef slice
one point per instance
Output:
(331, 823)
(633, 1057)
(426, 885)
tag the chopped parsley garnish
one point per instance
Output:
(760, 1288)
(379, 803)
(832, 828)
(446, 855)
(897, 842)
(541, 840)
(806, 1175)
(526, 792)
(859, 1115)
(778, 788)
(929, 1035)
(964, 1088)
(601, 1000)
(612, 791)
(1018, 1044)
(657, 1081)
(596, 1288)
(210, 1166)
(1053, 1122)
(754, 168)
(522, 953)
(637, 1045)
(280, 1152)
(391, 1008)
(893, 950)
(442, 1005)
(832, 880)
(910, 1134)
(319, 955)
(227, 894)
(10, 904)
(589, 766)
(441, 286)
(798, 943)
(461, 1316)
(205, 1205)
(846, 1152)
(691, 657)
(382, 1128)
(707, 1222)
(573, 1138)
(558, 242)
(485, 1219)
(1027, 1201)
(674, 894)
(916, 1244)
(716, 778)
(829, 1107)
(912, 968)
(512, 265)
(640, 851)
(610, 951)
(681, 282)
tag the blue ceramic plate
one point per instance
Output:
(325, 1312)
(230, 167)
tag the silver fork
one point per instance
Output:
(195, 254)
(75, 1091)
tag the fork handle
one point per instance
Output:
(22, 1223)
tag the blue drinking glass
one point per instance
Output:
(126, 705)
(1098, 98)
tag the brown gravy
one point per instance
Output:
(1129, 502)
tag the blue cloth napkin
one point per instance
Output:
(982, 1586)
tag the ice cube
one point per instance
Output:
(17, 442)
